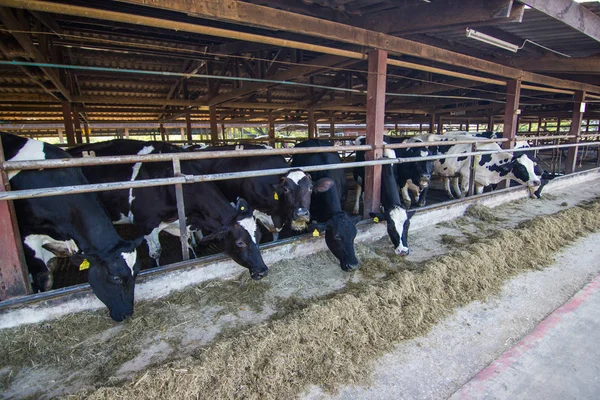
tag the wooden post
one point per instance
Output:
(61, 137)
(66, 108)
(182, 133)
(513, 92)
(376, 84)
(188, 126)
(311, 124)
(431, 123)
(126, 133)
(440, 126)
(214, 134)
(86, 130)
(77, 122)
(162, 132)
(271, 126)
(14, 277)
(578, 110)
(491, 123)
(331, 126)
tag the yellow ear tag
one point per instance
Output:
(275, 196)
(85, 264)
(242, 208)
(315, 233)
(376, 220)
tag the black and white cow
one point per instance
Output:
(412, 176)
(73, 225)
(329, 195)
(154, 209)
(277, 199)
(396, 217)
(489, 168)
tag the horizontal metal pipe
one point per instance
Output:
(97, 187)
(441, 143)
(192, 155)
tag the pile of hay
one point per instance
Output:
(334, 341)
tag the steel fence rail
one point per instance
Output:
(164, 157)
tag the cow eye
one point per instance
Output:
(240, 243)
(338, 237)
(310, 189)
(286, 190)
(115, 279)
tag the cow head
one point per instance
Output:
(111, 274)
(524, 171)
(293, 195)
(420, 170)
(398, 222)
(240, 238)
(340, 230)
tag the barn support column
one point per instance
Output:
(182, 133)
(375, 123)
(440, 126)
(188, 127)
(311, 124)
(490, 123)
(576, 121)
(126, 133)
(431, 123)
(14, 277)
(77, 123)
(214, 133)
(331, 126)
(271, 127)
(511, 112)
(61, 136)
(66, 108)
(86, 130)
(162, 132)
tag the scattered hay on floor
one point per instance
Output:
(482, 213)
(335, 341)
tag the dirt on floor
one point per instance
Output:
(307, 323)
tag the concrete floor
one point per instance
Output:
(536, 340)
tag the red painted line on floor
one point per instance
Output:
(506, 360)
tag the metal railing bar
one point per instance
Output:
(200, 155)
(97, 187)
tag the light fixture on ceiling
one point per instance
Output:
(482, 37)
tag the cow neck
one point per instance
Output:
(328, 202)
(91, 228)
(389, 191)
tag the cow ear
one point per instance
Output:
(58, 249)
(243, 208)
(409, 214)
(379, 216)
(84, 261)
(355, 219)
(319, 226)
(323, 185)
(137, 241)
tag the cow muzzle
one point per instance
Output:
(300, 218)
(257, 276)
(402, 251)
(350, 267)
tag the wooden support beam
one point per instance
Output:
(214, 130)
(67, 117)
(332, 126)
(375, 124)
(162, 132)
(14, 25)
(311, 124)
(570, 13)
(490, 124)
(575, 130)
(426, 17)
(290, 74)
(431, 123)
(511, 110)
(554, 64)
(14, 276)
(77, 123)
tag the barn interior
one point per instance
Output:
(278, 72)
